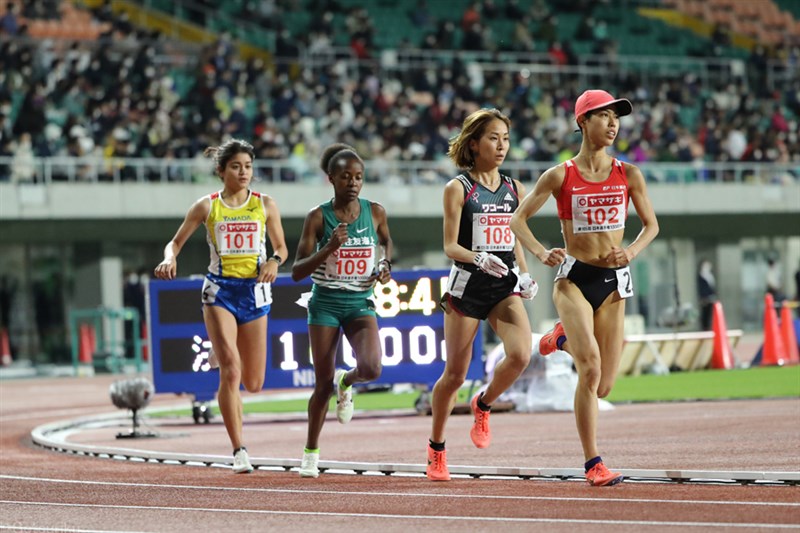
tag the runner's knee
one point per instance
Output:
(604, 389)
(518, 359)
(230, 376)
(323, 388)
(452, 381)
(368, 371)
(589, 376)
(253, 384)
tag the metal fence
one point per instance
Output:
(113, 170)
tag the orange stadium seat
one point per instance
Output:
(695, 8)
(720, 6)
(724, 18)
(36, 28)
(747, 10)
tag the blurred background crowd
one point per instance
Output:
(395, 80)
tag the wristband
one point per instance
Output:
(387, 262)
(278, 259)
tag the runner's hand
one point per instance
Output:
(491, 264)
(166, 269)
(619, 257)
(527, 287)
(338, 236)
(553, 257)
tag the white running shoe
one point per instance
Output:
(241, 462)
(308, 466)
(213, 362)
(344, 398)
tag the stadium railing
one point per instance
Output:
(197, 170)
(709, 71)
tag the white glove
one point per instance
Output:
(491, 264)
(527, 287)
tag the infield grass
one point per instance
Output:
(760, 382)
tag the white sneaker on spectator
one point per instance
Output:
(308, 466)
(213, 362)
(344, 398)
(241, 462)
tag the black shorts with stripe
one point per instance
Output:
(473, 293)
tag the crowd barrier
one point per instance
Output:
(46, 170)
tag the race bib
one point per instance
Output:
(210, 290)
(351, 263)
(492, 233)
(598, 212)
(263, 294)
(624, 282)
(237, 238)
(457, 281)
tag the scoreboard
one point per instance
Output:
(410, 325)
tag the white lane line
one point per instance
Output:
(66, 530)
(654, 523)
(399, 494)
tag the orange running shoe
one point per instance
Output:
(480, 433)
(437, 465)
(600, 476)
(547, 344)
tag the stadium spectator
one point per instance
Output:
(99, 84)
(773, 280)
(23, 164)
(471, 16)
(9, 24)
(706, 293)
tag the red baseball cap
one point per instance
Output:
(597, 99)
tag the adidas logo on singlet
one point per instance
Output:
(508, 197)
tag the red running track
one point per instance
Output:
(41, 490)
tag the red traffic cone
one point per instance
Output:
(5, 348)
(789, 337)
(86, 346)
(722, 356)
(774, 351)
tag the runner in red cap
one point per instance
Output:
(593, 279)
(594, 99)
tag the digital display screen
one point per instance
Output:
(410, 325)
(181, 306)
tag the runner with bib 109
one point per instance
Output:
(346, 249)
(593, 278)
(488, 276)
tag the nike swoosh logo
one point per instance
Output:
(362, 230)
(609, 280)
(579, 188)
